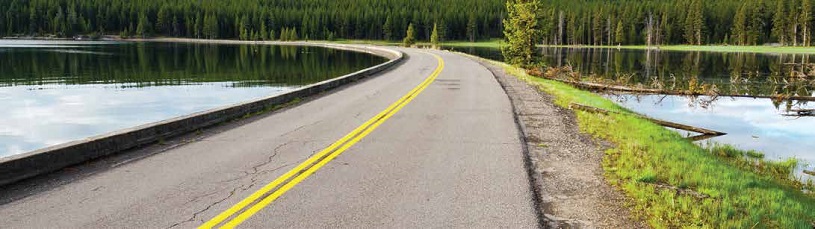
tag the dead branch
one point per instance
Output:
(674, 125)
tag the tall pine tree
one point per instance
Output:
(522, 31)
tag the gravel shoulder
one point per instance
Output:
(566, 165)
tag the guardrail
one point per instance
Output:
(22, 166)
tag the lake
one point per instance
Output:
(53, 92)
(753, 124)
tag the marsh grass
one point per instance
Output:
(738, 189)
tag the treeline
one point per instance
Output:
(635, 22)
(254, 19)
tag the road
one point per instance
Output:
(447, 156)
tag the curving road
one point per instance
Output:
(447, 156)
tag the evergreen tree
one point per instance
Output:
(694, 23)
(58, 23)
(176, 27)
(243, 28)
(33, 17)
(410, 36)
(521, 31)
(779, 30)
(434, 36)
(619, 34)
(739, 32)
(805, 18)
(264, 35)
(597, 28)
(163, 23)
(472, 28)
(284, 34)
(755, 28)
(211, 26)
(331, 36)
(387, 29)
(143, 27)
(442, 31)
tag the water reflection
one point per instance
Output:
(754, 74)
(52, 93)
(34, 119)
(749, 123)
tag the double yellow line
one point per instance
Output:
(273, 190)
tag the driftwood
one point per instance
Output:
(706, 134)
(801, 113)
(702, 137)
(604, 87)
(811, 173)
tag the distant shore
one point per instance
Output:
(491, 43)
(703, 48)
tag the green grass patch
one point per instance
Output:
(367, 42)
(711, 48)
(493, 43)
(716, 186)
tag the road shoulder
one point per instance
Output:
(567, 165)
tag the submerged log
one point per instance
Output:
(804, 111)
(801, 113)
(702, 137)
(705, 132)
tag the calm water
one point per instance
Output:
(57, 92)
(731, 73)
(757, 124)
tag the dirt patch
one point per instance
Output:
(568, 173)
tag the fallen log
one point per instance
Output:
(705, 132)
(702, 137)
(811, 173)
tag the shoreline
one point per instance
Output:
(700, 48)
(671, 182)
(490, 43)
(564, 165)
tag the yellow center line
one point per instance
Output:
(315, 162)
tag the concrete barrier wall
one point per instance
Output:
(22, 166)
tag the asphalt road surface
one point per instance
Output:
(436, 146)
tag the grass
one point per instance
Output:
(368, 42)
(734, 188)
(714, 48)
(493, 43)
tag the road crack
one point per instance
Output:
(255, 173)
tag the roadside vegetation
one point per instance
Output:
(672, 182)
